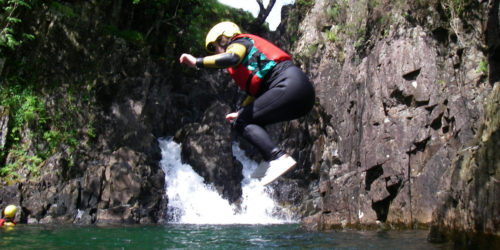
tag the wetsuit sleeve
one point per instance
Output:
(233, 56)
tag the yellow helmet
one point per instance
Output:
(10, 211)
(227, 29)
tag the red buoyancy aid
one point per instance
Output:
(4, 222)
(259, 61)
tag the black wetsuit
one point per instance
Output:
(285, 94)
(289, 95)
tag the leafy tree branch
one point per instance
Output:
(8, 19)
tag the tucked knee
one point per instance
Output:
(239, 125)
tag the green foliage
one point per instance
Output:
(483, 67)
(131, 36)
(23, 160)
(8, 20)
(456, 7)
(305, 2)
(26, 109)
(172, 27)
(332, 35)
(374, 4)
(52, 137)
(30, 123)
(452, 9)
(9, 171)
(311, 50)
(334, 12)
(207, 14)
(91, 130)
(62, 9)
(346, 28)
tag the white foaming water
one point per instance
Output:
(191, 201)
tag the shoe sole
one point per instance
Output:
(265, 183)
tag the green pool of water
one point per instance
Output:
(288, 236)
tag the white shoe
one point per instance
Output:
(277, 168)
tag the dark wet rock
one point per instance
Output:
(400, 107)
(207, 147)
(124, 190)
(468, 205)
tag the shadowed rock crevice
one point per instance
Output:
(401, 98)
(412, 76)
(437, 123)
(493, 42)
(372, 174)
(381, 207)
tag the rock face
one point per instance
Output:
(469, 193)
(124, 189)
(403, 97)
(206, 146)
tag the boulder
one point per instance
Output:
(207, 147)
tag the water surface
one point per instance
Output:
(182, 236)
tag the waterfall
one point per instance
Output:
(191, 201)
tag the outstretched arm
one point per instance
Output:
(233, 56)
(224, 60)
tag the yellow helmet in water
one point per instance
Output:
(227, 29)
(10, 211)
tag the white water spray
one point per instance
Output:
(191, 201)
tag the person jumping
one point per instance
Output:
(277, 89)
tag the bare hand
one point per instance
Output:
(231, 116)
(188, 59)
